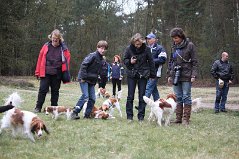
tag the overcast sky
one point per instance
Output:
(129, 6)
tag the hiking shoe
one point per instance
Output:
(37, 110)
(74, 115)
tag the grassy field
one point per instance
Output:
(209, 136)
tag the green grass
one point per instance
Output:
(209, 135)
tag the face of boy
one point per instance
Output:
(101, 50)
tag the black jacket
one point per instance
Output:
(90, 68)
(144, 67)
(222, 70)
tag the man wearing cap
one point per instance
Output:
(223, 73)
(159, 56)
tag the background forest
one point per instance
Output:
(213, 26)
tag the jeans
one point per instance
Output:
(151, 88)
(183, 93)
(88, 95)
(221, 96)
(49, 81)
(141, 82)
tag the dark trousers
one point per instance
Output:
(118, 83)
(49, 81)
(102, 82)
(132, 82)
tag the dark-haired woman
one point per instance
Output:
(182, 71)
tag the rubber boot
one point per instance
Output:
(179, 114)
(186, 114)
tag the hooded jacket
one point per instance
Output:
(41, 62)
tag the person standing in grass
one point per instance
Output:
(140, 67)
(88, 76)
(104, 73)
(159, 56)
(182, 72)
(54, 58)
(116, 74)
(223, 73)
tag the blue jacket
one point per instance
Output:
(90, 68)
(159, 56)
(117, 70)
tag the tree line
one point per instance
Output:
(213, 26)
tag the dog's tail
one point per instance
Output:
(196, 104)
(148, 101)
(14, 99)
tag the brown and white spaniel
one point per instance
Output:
(97, 113)
(161, 109)
(110, 104)
(58, 110)
(102, 93)
(24, 122)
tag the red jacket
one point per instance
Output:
(41, 62)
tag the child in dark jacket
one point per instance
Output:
(104, 73)
(117, 71)
(88, 76)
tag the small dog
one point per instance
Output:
(23, 122)
(58, 110)
(97, 113)
(110, 104)
(162, 108)
(102, 93)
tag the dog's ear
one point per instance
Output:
(45, 129)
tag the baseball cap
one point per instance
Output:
(150, 36)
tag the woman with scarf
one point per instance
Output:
(182, 73)
(140, 67)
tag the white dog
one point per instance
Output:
(161, 109)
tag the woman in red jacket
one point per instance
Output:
(54, 58)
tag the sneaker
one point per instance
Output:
(216, 111)
(37, 110)
(74, 115)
